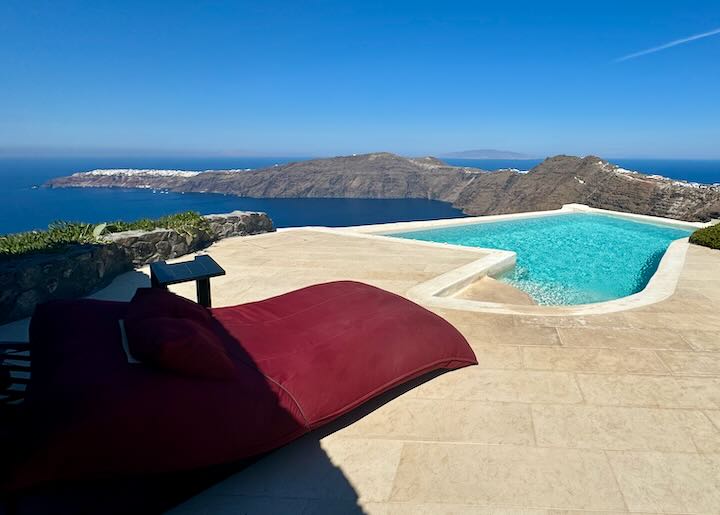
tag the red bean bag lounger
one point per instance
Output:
(301, 360)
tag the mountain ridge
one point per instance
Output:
(556, 181)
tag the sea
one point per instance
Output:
(25, 206)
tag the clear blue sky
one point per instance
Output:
(325, 78)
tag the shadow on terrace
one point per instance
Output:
(29, 423)
(95, 435)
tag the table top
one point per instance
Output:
(202, 267)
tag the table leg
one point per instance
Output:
(153, 280)
(154, 283)
(203, 292)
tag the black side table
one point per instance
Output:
(200, 270)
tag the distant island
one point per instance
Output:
(556, 181)
(486, 154)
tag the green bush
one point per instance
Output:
(707, 237)
(59, 235)
(187, 221)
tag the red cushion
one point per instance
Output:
(95, 416)
(301, 359)
(333, 346)
(159, 302)
(179, 345)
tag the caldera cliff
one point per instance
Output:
(556, 181)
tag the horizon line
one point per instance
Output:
(308, 156)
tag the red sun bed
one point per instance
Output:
(301, 360)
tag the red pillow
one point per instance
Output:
(179, 345)
(159, 302)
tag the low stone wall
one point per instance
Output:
(83, 269)
(27, 281)
(239, 223)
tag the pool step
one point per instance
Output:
(488, 289)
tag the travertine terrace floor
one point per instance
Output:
(607, 413)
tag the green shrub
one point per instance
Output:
(707, 237)
(59, 235)
(187, 221)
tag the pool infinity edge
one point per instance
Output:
(437, 292)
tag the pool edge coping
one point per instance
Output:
(436, 292)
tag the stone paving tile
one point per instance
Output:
(463, 318)
(693, 289)
(703, 340)
(692, 363)
(503, 330)
(613, 428)
(677, 322)
(497, 356)
(699, 252)
(709, 272)
(334, 468)
(622, 339)
(705, 287)
(470, 509)
(713, 295)
(501, 386)
(447, 509)
(500, 475)
(593, 360)
(683, 303)
(584, 512)
(668, 483)
(714, 416)
(610, 321)
(492, 334)
(650, 391)
(255, 273)
(446, 420)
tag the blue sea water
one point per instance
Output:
(25, 207)
(569, 259)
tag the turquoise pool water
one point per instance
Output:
(569, 259)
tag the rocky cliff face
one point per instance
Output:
(563, 179)
(28, 280)
(379, 175)
(558, 180)
(368, 176)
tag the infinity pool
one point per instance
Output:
(569, 259)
